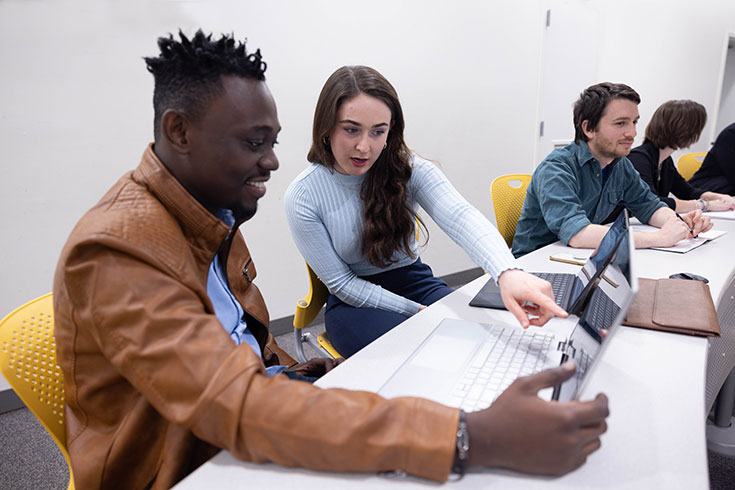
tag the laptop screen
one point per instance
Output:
(608, 300)
(571, 291)
(608, 251)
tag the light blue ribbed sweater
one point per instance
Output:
(324, 212)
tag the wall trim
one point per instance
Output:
(279, 326)
(9, 401)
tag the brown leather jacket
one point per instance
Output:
(154, 384)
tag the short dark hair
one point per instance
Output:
(676, 124)
(592, 103)
(188, 72)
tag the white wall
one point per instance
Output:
(666, 51)
(75, 104)
(76, 107)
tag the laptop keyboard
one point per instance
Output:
(560, 284)
(507, 354)
(601, 311)
(583, 362)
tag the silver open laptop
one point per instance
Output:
(467, 364)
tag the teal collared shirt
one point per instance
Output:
(567, 193)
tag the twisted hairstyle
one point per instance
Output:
(389, 220)
(592, 103)
(187, 73)
(676, 124)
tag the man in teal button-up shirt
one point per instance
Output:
(577, 187)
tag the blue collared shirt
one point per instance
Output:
(228, 310)
(567, 193)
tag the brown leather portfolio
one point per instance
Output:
(674, 305)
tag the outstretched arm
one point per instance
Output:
(461, 221)
(484, 244)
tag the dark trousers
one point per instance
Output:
(350, 328)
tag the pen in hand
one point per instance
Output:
(691, 232)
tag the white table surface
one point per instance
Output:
(654, 382)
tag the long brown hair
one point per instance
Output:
(389, 220)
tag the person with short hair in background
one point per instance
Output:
(578, 188)
(675, 125)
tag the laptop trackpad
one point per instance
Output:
(432, 371)
(443, 353)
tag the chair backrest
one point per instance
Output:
(721, 355)
(508, 193)
(28, 363)
(689, 163)
(308, 308)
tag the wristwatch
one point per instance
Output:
(462, 453)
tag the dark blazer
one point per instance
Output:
(717, 173)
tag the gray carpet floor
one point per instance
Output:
(29, 458)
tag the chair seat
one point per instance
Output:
(307, 310)
(325, 344)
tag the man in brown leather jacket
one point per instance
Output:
(155, 385)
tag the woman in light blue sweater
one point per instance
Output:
(352, 214)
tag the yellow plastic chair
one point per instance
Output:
(28, 363)
(508, 193)
(689, 163)
(307, 310)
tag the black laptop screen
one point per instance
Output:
(608, 299)
(609, 251)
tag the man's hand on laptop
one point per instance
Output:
(528, 297)
(522, 432)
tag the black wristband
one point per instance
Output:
(462, 453)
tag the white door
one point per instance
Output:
(568, 66)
